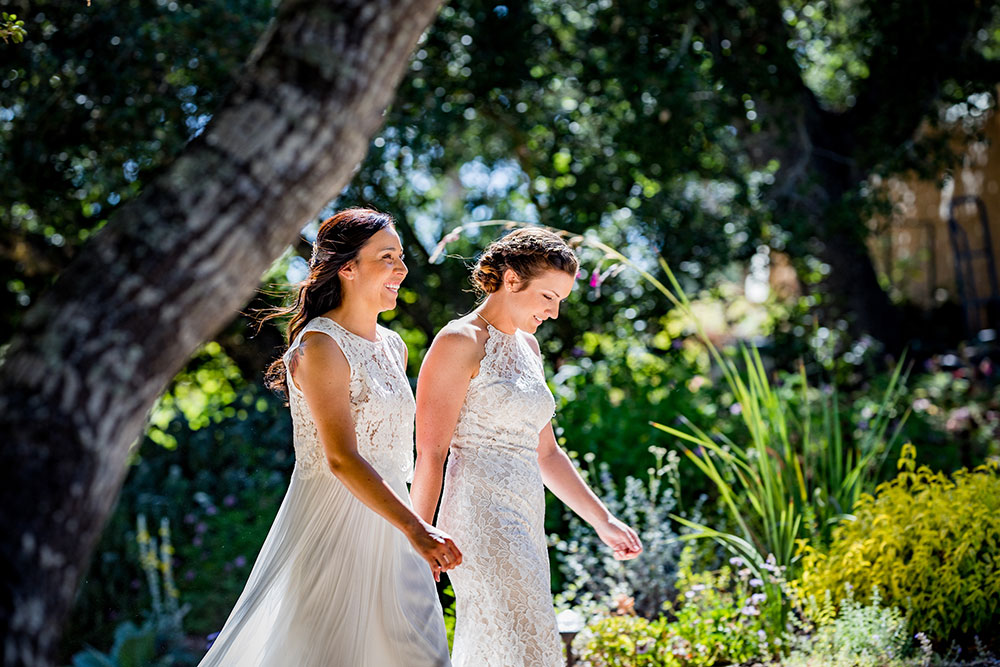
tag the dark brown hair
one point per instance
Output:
(337, 244)
(527, 252)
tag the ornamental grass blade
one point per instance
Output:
(732, 543)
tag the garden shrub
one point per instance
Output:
(624, 641)
(159, 641)
(860, 635)
(717, 619)
(956, 411)
(610, 386)
(928, 542)
(592, 575)
(720, 616)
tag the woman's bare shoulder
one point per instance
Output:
(462, 340)
(465, 331)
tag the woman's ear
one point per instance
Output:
(349, 271)
(510, 279)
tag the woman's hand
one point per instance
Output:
(437, 548)
(621, 538)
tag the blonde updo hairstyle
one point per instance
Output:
(528, 252)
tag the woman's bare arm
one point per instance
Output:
(444, 380)
(562, 478)
(322, 373)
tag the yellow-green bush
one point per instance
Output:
(625, 641)
(930, 544)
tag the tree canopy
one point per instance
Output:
(703, 129)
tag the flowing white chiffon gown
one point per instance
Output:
(335, 585)
(493, 506)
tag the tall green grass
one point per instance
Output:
(789, 479)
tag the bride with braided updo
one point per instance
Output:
(482, 397)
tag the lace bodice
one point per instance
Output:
(508, 402)
(493, 505)
(382, 403)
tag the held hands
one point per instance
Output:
(622, 539)
(437, 548)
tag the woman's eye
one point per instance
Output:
(547, 297)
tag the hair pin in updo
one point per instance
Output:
(319, 255)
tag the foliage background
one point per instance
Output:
(670, 130)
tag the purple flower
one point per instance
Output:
(211, 510)
(597, 278)
(201, 527)
(229, 500)
(189, 518)
(189, 575)
(240, 561)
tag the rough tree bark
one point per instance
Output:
(168, 272)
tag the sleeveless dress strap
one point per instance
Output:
(396, 347)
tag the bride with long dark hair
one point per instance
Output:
(346, 574)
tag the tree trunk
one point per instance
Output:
(852, 284)
(168, 272)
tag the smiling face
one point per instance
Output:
(533, 301)
(377, 271)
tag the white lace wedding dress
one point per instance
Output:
(335, 585)
(493, 506)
